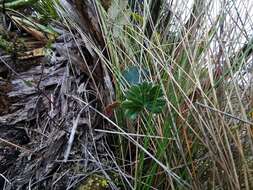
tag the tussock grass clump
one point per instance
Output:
(199, 55)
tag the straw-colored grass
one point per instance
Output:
(201, 58)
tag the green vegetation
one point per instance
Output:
(143, 96)
(94, 182)
(185, 115)
(199, 148)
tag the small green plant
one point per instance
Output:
(94, 182)
(143, 96)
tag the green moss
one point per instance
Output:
(5, 45)
(94, 182)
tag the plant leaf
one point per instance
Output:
(134, 75)
(143, 96)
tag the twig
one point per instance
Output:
(224, 113)
(8, 181)
(14, 145)
(72, 134)
(132, 134)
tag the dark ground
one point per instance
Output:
(41, 108)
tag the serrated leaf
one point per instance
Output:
(156, 91)
(131, 105)
(157, 106)
(143, 96)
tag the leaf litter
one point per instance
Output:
(47, 138)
